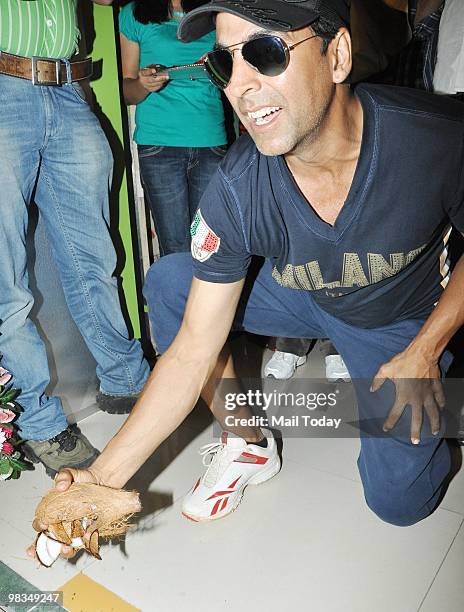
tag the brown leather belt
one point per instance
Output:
(44, 70)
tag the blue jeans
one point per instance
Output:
(402, 482)
(53, 151)
(174, 179)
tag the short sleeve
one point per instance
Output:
(128, 24)
(218, 240)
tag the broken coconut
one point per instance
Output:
(81, 515)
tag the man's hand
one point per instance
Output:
(417, 382)
(63, 480)
(151, 80)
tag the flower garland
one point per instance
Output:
(11, 462)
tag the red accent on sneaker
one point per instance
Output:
(224, 503)
(197, 485)
(222, 493)
(218, 494)
(249, 458)
(190, 518)
(232, 484)
(224, 437)
(216, 507)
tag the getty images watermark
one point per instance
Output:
(265, 401)
(315, 408)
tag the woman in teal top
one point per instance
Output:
(180, 131)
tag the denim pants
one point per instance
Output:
(53, 151)
(174, 179)
(402, 482)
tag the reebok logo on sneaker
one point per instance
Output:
(233, 465)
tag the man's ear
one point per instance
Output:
(340, 53)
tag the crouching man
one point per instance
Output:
(349, 195)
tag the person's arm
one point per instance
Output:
(175, 384)
(424, 352)
(137, 83)
(420, 359)
(169, 395)
(445, 320)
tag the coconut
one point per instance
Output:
(47, 549)
(81, 515)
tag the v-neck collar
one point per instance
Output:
(363, 175)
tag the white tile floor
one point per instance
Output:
(303, 541)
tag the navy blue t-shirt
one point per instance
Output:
(384, 259)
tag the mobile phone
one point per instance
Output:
(192, 72)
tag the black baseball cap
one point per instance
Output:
(278, 15)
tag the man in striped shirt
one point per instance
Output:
(47, 28)
(53, 152)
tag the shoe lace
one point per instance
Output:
(209, 452)
(66, 440)
(212, 457)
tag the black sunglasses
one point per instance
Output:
(267, 54)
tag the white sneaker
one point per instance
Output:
(234, 465)
(283, 365)
(335, 369)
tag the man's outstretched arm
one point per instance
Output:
(170, 393)
(175, 384)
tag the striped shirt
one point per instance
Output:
(416, 63)
(46, 28)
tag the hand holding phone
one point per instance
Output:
(152, 78)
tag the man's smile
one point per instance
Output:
(262, 115)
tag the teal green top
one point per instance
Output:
(45, 28)
(183, 113)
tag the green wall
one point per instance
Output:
(107, 94)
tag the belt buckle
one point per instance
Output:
(35, 76)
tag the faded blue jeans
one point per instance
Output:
(402, 483)
(53, 151)
(174, 179)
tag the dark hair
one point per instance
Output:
(326, 30)
(157, 11)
